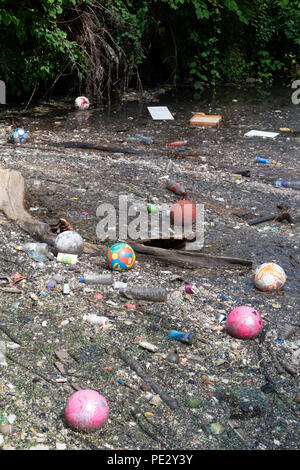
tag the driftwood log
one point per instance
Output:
(91, 146)
(189, 258)
(13, 206)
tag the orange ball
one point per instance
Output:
(183, 211)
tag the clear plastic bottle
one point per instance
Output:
(288, 184)
(66, 288)
(176, 188)
(41, 248)
(37, 256)
(141, 138)
(105, 279)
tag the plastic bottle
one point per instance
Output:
(37, 256)
(120, 285)
(265, 160)
(37, 247)
(106, 279)
(176, 188)
(96, 320)
(288, 184)
(145, 293)
(66, 288)
(67, 258)
(141, 138)
(169, 166)
(179, 336)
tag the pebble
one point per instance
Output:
(156, 400)
(173, 357)
(6, 429)
(297, 398)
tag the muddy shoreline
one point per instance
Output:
(232, 396)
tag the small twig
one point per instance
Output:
(10, 336)
(171, 402)
(29, 101)
(274, 359)
(289, 369)
(31, 369)
(143, 428)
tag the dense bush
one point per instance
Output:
(98, 45)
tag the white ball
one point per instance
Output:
(82, 103)
(69, 242)
(269, 277)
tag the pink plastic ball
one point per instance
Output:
(244, 323)
(86, 410)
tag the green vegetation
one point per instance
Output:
(98, 46)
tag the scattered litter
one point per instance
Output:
(105, 279)
(288, 184)
(160, 113)
(177, 143)
(150, 347)
(51, 284)
(255, 133)
(96, 320)
(67, 258)
(108, 327)
(191, 289)
(265, 160)
(176, 188)
(66, 287)
(179, 336)
(141, 138)
(145, 293)
(204, 120)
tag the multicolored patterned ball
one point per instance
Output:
(244, 323)
(82, 103)
(19, 136)
(86, 410)
(120, 257)
(269, 277)
(69, 242)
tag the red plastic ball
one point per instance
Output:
(244, 323)
(183, 212)
(86, 410)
